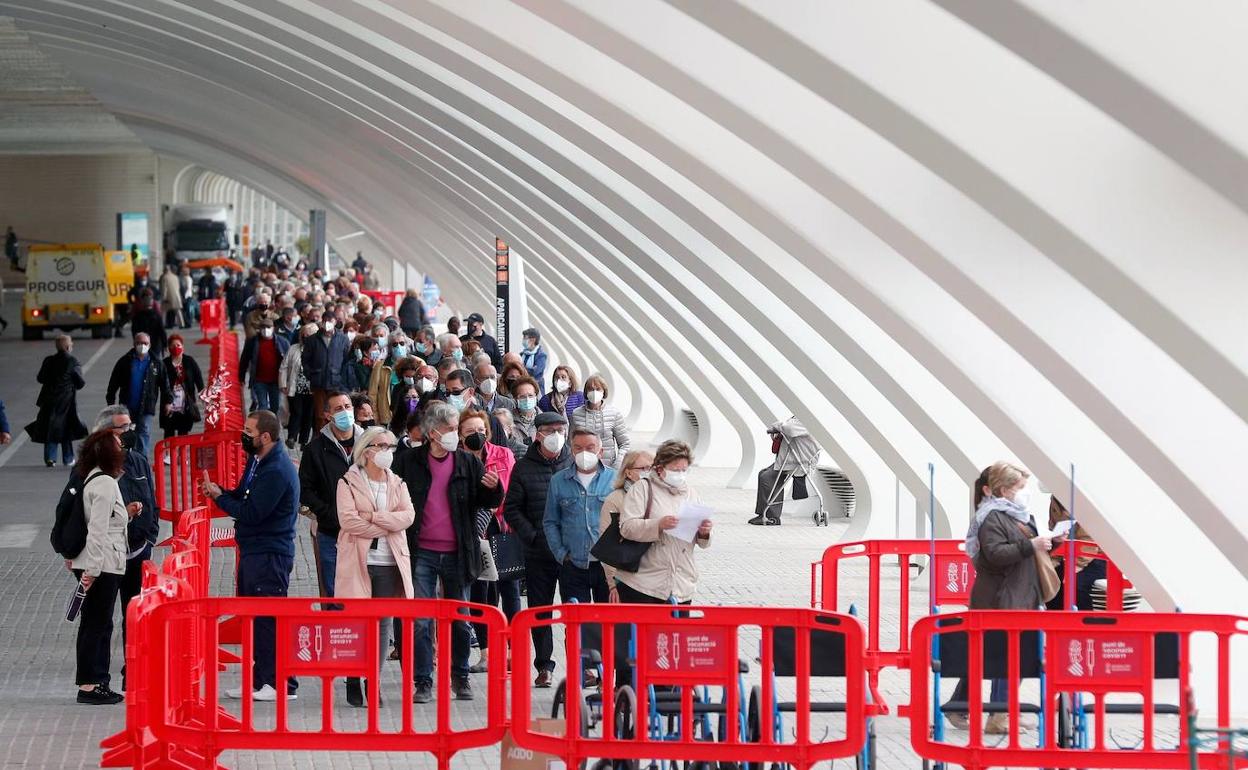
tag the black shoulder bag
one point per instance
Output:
(615, 550)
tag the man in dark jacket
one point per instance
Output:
(137, 485)
(234, 289)
(146, 320)
(264, 507)
(138, 383)
(489, 345)
(259, 366)
(323, 359)
(412, 313)
(524, 510)
(448, 487)
(325, 460)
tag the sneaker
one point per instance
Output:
(480, 667)
(266, 694)
(423, 693)
(543, 680)
(590, 679)
(461, 688)
(958, 720)
(100, 695)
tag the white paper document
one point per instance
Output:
(689, 518)
(1061, 529)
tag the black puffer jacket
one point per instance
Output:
(467, 495)
(526, 498)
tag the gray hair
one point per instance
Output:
(438, 414)
(366, 440)
(481, 357)
(104, 420)
(63, 341)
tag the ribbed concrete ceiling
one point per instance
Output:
(939, 232)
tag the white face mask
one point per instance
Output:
(266, 332)
(424, 386)
(328, 326)
(675, 479)
(449, 441)
(487, 386)
(142, 349)
(553, 443)
(594, 397)
(351, 336)
(562, 386)
(383, 459)
(586, 461)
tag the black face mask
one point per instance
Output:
(249, 444)
(367, 423)
(475, 441)
(128, 439)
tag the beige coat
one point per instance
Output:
(667, 569)
(361, 523)
(106, 528)
(379, 392)
(170, 292)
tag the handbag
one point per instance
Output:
(508, 553)
(489, 571)
(615, 550)
(1046, 573)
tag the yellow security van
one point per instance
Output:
(67, 287)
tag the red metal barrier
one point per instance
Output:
(684, 647)
(178, 483)
(388, 299)
(310, 642)
(948, 584)
(211, 318)
(1093, 653)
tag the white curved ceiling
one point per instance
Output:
(939, 232)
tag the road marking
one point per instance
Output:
(18, 535)
(22, 438)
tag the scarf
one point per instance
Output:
(990, 504)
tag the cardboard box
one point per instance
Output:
(516, 758)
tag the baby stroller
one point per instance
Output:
(796, 456)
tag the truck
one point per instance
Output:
(199, 231)
(75, 286)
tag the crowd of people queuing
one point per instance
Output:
(407, 450)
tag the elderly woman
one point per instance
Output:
(179, 400)
(101, 564)
(58, 425)
(523, 428)
(634, 468)
(604, 419)
(564, 396)
(298, 391)
(374, 511)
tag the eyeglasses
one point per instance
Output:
(459, 392)
(382, 446)
(123, 428)
(639, 468)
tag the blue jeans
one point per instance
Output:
(142, 433)
(428, 568)
(327, 545)
(67, 452)
(266, 395)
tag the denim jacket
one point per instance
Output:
(572, 514)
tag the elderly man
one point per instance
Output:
(138, 383)
(461, 394)
(264, 507)
(488, 399)
(448, 487)
(451, 348)
(137, 486)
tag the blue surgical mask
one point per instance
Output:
(456, 401)
(422, 348)
(527, 403)
(344, 420)
(458, 354)
(400, 351)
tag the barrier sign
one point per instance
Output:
(314, 643)
(680, 651)
(954, 577)
(1093, 658)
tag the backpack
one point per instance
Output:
(69, 532)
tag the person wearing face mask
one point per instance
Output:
(324, 460)
(451, 347)
(183, 383)
(474, 436)
(374, 512)
(261, 311)
(564, 396)
(412, 436)
(260, 366)
(57, 424)
(323, 358)
(412, 316)
(489, 400)
(298, 392)
(138, 382)
(461, 394)
(524, 512)
(382, 379)
(405, 396)
(448, 487)
(1002, 542)
(427, 346)
(359, 369)
(667, 571)
(265, 507)
(602, 419)
(145, 319)
(363, 411)
(524, 423)
(634, 467)
(476, 331)
(512, 373)
(534, 356)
